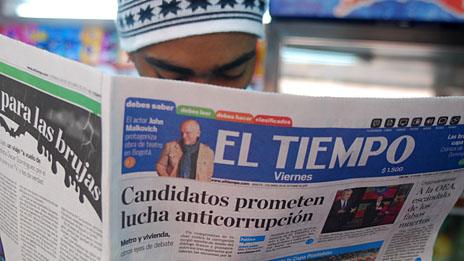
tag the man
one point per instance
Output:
(374, 211)
(341, 212)
(204, 41)
(187, 158)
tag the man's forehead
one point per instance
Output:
(202, 51)
(190, 126)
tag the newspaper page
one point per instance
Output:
(50, 157)
(205, 173)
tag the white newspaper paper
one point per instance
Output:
(114, 168)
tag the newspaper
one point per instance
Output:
(95, 167)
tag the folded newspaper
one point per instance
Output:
(96, 167)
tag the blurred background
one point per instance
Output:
(361, 48)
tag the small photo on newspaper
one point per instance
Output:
(179, 146)
(366, 207)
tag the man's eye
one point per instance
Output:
(233, 73)
(171, 76)
(231, 76)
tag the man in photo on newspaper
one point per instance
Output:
(374, 212)
(341, 212)
(187, 157)
(204, 41)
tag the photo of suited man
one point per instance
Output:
(341, 213)
(374, 212)
(187, 157)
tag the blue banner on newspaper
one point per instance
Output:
(192, 142)
(366, 251)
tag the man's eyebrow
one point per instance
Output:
(237, 62)
(168, 67)
(187, 71)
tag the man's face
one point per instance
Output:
(225, 59)
(190, 132)
(346, 195)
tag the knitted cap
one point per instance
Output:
(141, 23)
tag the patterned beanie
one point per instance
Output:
(141, 23)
